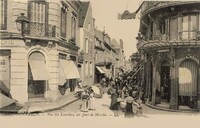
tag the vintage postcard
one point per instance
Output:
(99, 63)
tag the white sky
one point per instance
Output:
(105, 13)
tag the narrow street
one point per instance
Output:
(102, 109)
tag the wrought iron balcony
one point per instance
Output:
(41, 30)
(184, 38)
(153, 5)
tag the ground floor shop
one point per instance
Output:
(37, 69)
(172, 77)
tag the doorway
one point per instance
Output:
(188, 73)
(165, 82)
(37, 75)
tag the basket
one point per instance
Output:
(122, 104)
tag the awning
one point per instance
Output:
(106, 72)
(70, 69)
(38, 69)
(5, 101)
(100, 70)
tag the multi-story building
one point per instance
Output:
(169, 43)
(118, 54)
(41, 63)
(86, 43)
(99, 56)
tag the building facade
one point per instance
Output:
(86, 44)
(42, 62)
(169, 44)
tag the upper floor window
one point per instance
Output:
(63, 24)
(3, 14)
(188, 26)
(86, 45)
(73, 26)
(89, 26)
(38, 16)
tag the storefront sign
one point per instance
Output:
(4, 43)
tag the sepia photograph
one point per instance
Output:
(99, 63)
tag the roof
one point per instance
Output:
(83, 12)
(99, 34)
(114, 44)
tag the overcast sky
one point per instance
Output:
(105, 13)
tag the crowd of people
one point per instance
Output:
(126, 94)
(125, 91)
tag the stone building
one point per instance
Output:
(169, 44)
(41, 63)
(86, 44)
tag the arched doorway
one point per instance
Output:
(37, 75)
(165, 81)
(188, 71)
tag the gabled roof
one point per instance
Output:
(83, 13)
(114, 44)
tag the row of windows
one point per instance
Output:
(183, 27)
(37, 13)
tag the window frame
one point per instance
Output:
(4, 9)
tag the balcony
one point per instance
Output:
(149, 6)
(41, 30)
(184, 39)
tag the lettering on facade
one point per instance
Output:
(8, 43)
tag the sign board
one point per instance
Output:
(126, 15)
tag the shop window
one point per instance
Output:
(3, 14)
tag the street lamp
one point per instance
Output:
(22, 23)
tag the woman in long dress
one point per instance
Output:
(114, 95)
(91, 102)
(129, 105)
(85, 97)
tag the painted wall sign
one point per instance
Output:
(4, 43)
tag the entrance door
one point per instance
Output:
(165, 82)
(188, 83)
(37, 75)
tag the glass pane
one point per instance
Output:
(193, 23)
(185, 23)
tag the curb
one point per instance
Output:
(37, 111)
(55, 108)
(170, 110)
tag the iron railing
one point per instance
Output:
(41, 30)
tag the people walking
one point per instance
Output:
(91, 101)
(85, 98)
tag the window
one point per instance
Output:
(63, 22)
(38, 17)
(3, 14)
(86, 45)
(91, 69)
(89, 26)
(86, 68)
(189, 26)
(73, 26)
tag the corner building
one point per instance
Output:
(39, 65)
(169, 42)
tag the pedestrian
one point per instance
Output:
(85, 98)
(129, 105)
(114, 103)
(91, 102)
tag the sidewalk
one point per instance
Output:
(42, 106)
